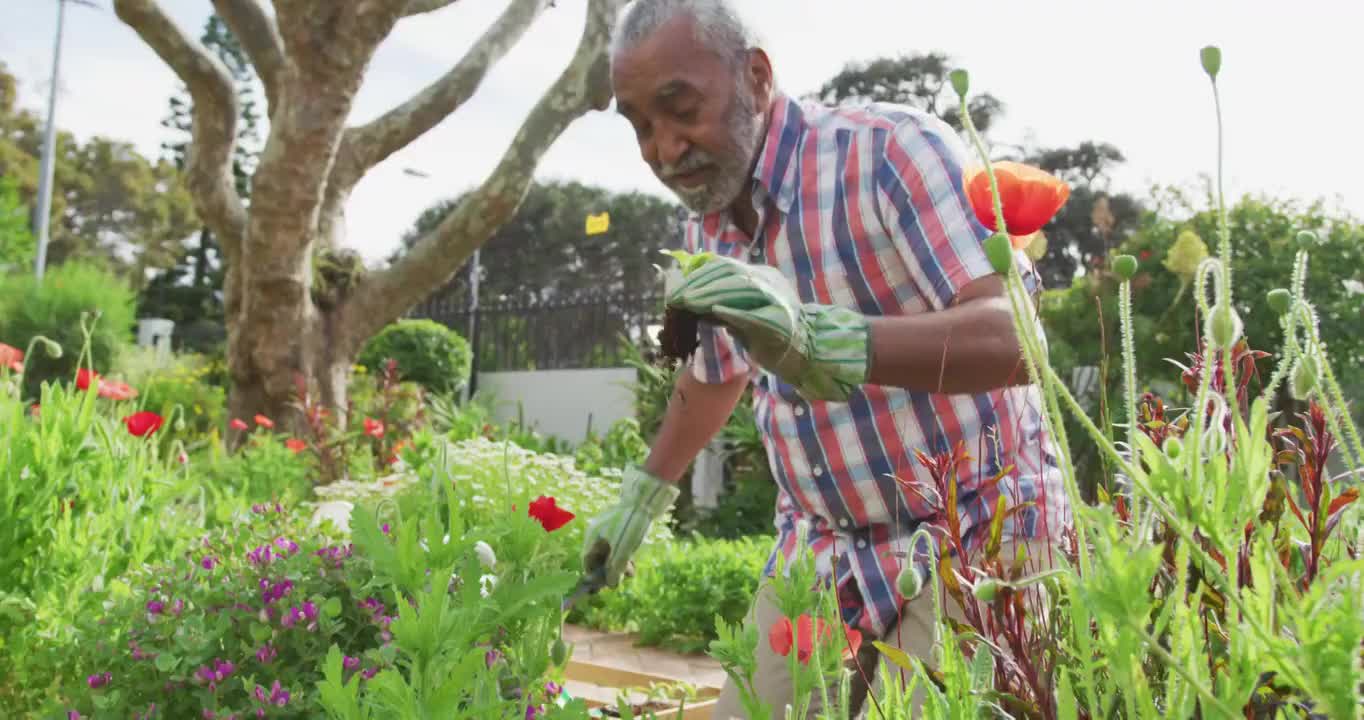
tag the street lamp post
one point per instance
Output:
(43, 219)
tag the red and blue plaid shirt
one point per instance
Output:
(864, 207)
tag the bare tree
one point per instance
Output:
(295, 305)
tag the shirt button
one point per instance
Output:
(843, 522)
(817, 470)
(861, 544)
(800, 411)
(756, 252)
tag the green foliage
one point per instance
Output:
(680, 587)
(17, 245)
(55, 309)
(179, 386)
(427, 353)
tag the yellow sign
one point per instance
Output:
(597, 224)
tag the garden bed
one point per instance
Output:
(599, 686)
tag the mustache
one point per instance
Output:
(694, 160)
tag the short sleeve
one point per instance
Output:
(924, 208)
(718, 358)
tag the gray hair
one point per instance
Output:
(718, 27)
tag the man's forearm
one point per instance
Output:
(969, 348)
(695, 413)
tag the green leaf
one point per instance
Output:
(166, 662)
(332, 607)
(896, 655)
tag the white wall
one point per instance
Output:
(559, 402)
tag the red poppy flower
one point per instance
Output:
(781, 637)
(85, 377)
(143, 423)
(237, 424)
(1030, 197)
(12, 357)
(265, 422)
(550, 515)
(374, 428)
(295, 444)
(111, 390)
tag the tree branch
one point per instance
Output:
(368, 145)
(258, 35)
(417, 7)
(584, 85)
(214, 134)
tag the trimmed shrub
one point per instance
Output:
(427, 353)
(54, 309)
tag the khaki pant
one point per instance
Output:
(913, 635)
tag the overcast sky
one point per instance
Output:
(1121, 72)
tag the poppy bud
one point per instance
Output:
(1224, 326)
(986, 590)
(1280, 300)
(1212, 60)
(1174, 447)
(909, 583)
(961, 81)
(1125, 266)
(1306, 239)
(1000, 252)
(1304, 379)
(50, 347)
(558, 652)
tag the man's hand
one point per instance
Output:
(613, 536)
(820, 350)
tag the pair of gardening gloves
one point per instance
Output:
(822, 351)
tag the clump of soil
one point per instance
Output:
(680, 335)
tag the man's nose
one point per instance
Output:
(671, 147)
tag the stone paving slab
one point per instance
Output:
(619, 650)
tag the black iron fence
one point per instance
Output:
(583, 331)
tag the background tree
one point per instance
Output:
(112, 206)
(190, 292)
(295, 306)
(918, 80)
(544, 251)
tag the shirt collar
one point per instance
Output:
(775, 170)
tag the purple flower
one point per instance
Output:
(258, 509)
(260, 694)
(278, 695)
(384, 527)
(209, 562)
(292, 618)
(73, 715)
(350, 663)
(177, 607)
(491, 657)
(209, 714)
(98, 680)
(260, 556)
(531, 712)
(155, 607)
(266, 654)
(552, 689)
(288, 546)
(223, 668)
(369, 673)
(310, 610)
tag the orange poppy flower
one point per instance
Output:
(265, 422)
(12, 357)
(143, 423)
(112, 390)
(1031, 198)
(296, 445)
(782, 636)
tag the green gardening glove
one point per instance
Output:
(613, 536)
(820, 350)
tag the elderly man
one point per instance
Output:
(851, 287)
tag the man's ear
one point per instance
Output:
(760, 76)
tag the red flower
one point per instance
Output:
(85, 377)
(116, 390)
(237, 424)
(551, 516)
(295, 444)
(374, 428)
(1030, 198)
(143, 423)
(12, 357)
(265, 422)
(781, 637)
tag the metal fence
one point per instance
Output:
(583, 331)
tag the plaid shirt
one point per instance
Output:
(864, 208)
